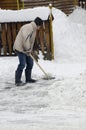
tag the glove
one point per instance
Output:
(35, 54)
(27, 53)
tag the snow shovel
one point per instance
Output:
(47, 77)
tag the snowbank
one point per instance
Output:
(70, 37)
(78, 16)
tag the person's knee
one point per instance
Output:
(21, 66)
(29, 66)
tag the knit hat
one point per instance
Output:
(38, 21)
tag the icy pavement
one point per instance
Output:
(47, 105)
(58, 104)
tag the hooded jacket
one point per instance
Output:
(25, 38)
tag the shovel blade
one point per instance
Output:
(48, 78)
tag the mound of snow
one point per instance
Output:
(69, 37)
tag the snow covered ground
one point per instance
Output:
(58, 104)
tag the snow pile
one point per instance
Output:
(78, 16)
(69, 37)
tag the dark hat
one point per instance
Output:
(38, 21)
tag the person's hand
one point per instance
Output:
(35, 54)
(27, 53)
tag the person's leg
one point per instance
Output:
(21, 65)
(28, 71)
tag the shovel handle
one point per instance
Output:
(39, 65)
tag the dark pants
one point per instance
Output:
(24, 61)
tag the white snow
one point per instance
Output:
(58, 104)
(24, 14)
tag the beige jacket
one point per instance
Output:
(25, 39)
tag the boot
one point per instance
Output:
(18, 81)
(28, 76)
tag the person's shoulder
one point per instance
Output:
(26, 25)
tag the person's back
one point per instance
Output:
(24, 40)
